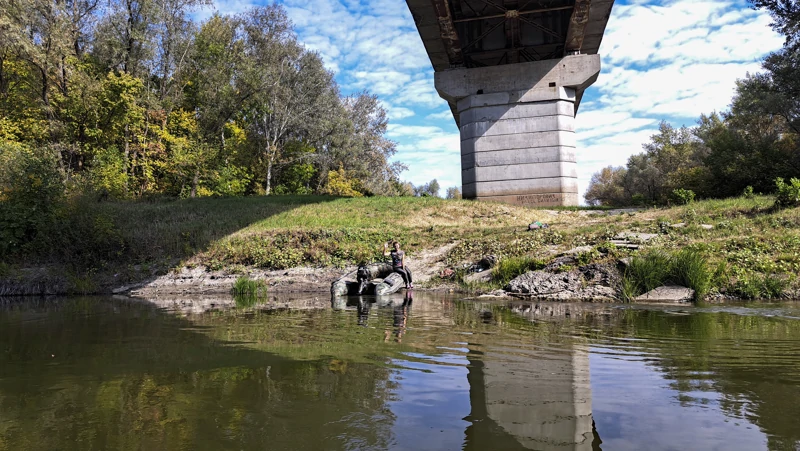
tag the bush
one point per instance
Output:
(340, 184)
(787, 194)
(31, 187)
(748, 192)
(683, 196)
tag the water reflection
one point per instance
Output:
(423, 371)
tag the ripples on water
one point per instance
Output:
(435, 372)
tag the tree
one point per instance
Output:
(429, 189)
(453, 192)
(289, 86)
(607, 188)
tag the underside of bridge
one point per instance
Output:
(514, 72)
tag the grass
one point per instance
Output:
(686, 267)
(509, 268)
(748, 236)
(248, 292)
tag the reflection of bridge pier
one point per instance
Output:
(539, 401)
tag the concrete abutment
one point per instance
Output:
(517, 125)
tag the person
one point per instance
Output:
(398, 262)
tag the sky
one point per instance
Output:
(661, 60)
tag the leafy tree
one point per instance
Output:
(429, 189)
(607, 187)
(453, 193)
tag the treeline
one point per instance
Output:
(131, 98)
(742, 150)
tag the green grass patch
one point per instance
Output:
(686, 267)
(248, 292)
(760, 286)
(509, 268)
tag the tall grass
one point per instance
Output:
(756, 286)
(248, 292)
(509, 268)
(686, 267)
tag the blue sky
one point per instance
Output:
(661, 60)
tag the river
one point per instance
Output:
(432, 372)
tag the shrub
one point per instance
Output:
(787, 194)
(341, 184)
(31, 187)
(683, 196)
(748, 192)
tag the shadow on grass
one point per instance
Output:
(105, 236)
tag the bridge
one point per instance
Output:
(513, 73)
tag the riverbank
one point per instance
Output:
(302, 243)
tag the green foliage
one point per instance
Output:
(759, 286)
(231, 106)
(453, 193)
(511, 267)
(247, 292)
(691, 269)
(748, 193)
(607, 188)
(340, 184)
(231, 181)
(787, 194)
(31, 187)
(683, 196)
(686, 267)
(109, 174)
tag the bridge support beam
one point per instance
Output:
(517, 125)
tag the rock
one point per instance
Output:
(625, 244)
(623, 263)
(558, 262)
(678, 225)
(578, 250)
(635, 236)
(593, 282)
(483, 276)
(667, 293)
(706, 226)
(488, 261)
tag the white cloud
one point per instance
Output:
(446, 114)
(670, 61)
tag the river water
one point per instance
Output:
(431, 372)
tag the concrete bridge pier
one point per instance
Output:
(517, 124)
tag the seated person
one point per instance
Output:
(398, 262)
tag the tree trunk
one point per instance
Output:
(268, 185)
(194, 182)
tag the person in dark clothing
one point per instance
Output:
(398, 262)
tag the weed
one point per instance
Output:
(759, 286)
(787, 194)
